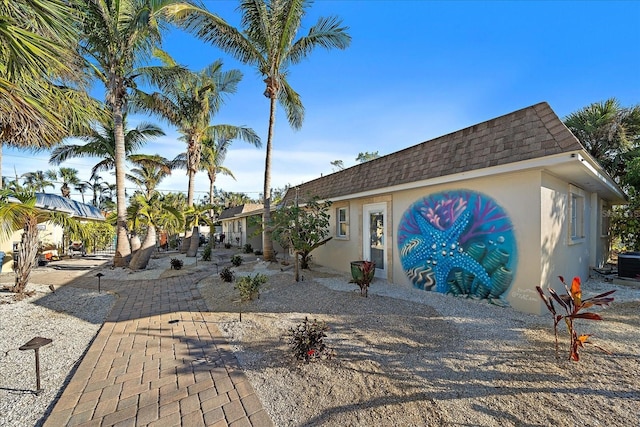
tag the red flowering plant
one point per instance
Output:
(573, 306)
(307, 341)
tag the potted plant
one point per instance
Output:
(362, 273)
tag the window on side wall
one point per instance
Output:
(342, 222)
(576, 214)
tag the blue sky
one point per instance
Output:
(415, 70)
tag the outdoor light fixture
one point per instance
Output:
(35, 344)
(99, 275)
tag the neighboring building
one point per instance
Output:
(489, 211)
(50, 234)
(241, 225)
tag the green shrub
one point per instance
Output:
(236, 260)
(257, 252)
(307, 341)
(227, 274)
(249, 287)
(227, 245)
(206, 253)
(247, 248)
(176, 263)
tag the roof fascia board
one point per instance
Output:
(537, 163)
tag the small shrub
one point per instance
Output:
(247, 248)
(572, 303)
(227, 245)
(236, 260)
(176, 264)
(227, 274)
(206, 253)
(307, 341)
(249, 287)
(257, 252)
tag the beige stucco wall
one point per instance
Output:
(560, 255)
(537, 204)
(517, 193)
(50, 236)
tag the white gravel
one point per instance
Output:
(70, 317)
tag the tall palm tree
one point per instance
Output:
(41, 96)
(268, 42)
(149, 174)
(68, 176)
(213, 156)
(118, 36)
(190, 102)
(101, 143)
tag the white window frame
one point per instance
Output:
(344, 222)
(577, 207)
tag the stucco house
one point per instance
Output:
(489, 211)
(241, 225)
(50, 234)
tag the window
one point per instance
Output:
(576, 216)
(342, 224)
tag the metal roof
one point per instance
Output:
(53, 202)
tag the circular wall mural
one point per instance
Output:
(459, 242)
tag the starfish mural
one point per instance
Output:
(440, 251)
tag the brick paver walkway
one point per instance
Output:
(158, 360)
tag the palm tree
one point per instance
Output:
(101, 143)
(196, 215)
(268, 43)
(37, 181)
(150, 172)
(68, 176)
(608, 132)
(18, 211)
(213, 156)
(41, 96)
(153, 213)
(117, 37)
(190, 103)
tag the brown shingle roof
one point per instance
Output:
(236, 210)
(525, 134)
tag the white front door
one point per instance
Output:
(374, 236)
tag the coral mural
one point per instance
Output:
(458, 242)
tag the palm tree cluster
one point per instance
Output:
(50, 50)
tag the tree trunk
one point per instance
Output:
(195, 242)
(186, 242)
(135, 242)
(140, 259)
(123, 249)
(267, 242)
(27, 254)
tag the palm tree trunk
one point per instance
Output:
(123, 250)
(27, 255)
(140, 259)
(267, 242)
(194, 243)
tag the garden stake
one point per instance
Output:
(99, 275)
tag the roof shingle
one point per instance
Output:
(526, 134)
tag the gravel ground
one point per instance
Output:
(408, 357)
(71, 318)
(403, 357)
